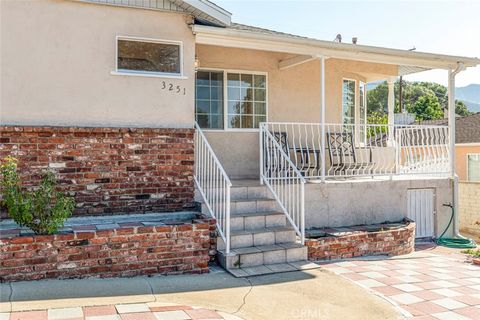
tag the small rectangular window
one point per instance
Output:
(473, 169)
(141, 56)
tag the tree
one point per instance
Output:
(412, 92)
(377, 99)
(427, 107)
(461, 108)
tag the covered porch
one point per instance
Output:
(310, 98)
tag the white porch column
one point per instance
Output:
(322, 108)
(451, 131)
(391, 107)
(451, 114)
(451, 120)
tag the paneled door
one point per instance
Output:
(421, 209)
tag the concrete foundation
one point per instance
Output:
(369, 201)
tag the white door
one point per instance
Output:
(421, 208)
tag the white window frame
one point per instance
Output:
(362, 135)
(155, 74)
(470, 154)
(225, 97)
(355, 101)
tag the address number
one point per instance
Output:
(173, 88)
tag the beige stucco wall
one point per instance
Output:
(56, 62)
(469, 207)
(461, 152)
(293, 96)
(355, 202)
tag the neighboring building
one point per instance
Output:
(467, 145)
(467, 148)
(108, 95)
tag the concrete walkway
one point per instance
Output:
(309, 294)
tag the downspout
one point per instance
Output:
(451, 124)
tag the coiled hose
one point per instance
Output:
(459, 243)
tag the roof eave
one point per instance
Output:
(211, 11)
(309, 46)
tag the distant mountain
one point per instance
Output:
(469, 93)
(473, 107)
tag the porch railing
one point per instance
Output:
(349, 150)
(213, 184)
(284, 180)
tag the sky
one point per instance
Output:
(446, 27)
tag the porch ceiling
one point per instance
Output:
(408, 61)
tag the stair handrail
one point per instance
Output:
(284, 189)
(213, 184)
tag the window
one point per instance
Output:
(149, 56)
(473, 167)
(363, 110)
(348, 101)
(209, 99)
(246, 95)
(230, 100)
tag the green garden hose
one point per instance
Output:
(459, 243)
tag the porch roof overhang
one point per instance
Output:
(411, 61)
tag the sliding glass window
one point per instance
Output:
(238, 100)
(209, 99)
(246, 100)
(348, 101)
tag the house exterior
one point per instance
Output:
(108, 94)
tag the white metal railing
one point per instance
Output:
(213, 184)
(349, 150)
(284, 180)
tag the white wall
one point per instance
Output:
(356, 202)
(56, 62)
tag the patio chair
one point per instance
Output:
(305, 154)
(343, 157)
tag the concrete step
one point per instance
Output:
(243, 189)
(257, 220)
(250, 192)
(249, 205)
(258, 237)
(273, 268)
(262, 255)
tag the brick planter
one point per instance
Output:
(363, 243)
(108, 170)
(122, 252)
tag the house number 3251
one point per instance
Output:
(173, 88)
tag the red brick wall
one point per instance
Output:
(109, 170)
(124, 252)
(389, 242)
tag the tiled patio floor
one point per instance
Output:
(432, 283)
(137, 311)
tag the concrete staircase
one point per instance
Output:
(262, 240)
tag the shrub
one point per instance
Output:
(41, 209)
(472, 252)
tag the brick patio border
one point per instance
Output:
(363, 243)
(122, 252)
